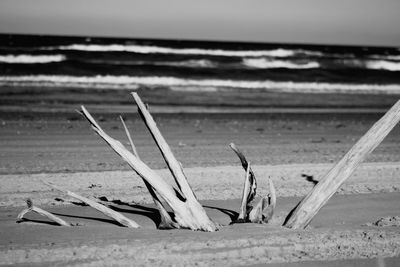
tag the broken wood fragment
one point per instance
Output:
(103, 209)
(268, 211)
(42, 212)
(263, 211)
(306, 210)
(247, 212)
(265, 208)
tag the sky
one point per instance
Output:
(349, 22)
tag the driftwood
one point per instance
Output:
(103, 209)
(42, 212)
(306, 210)
(166, 221)
(188, 212)
(263, 211)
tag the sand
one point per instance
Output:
(294, 149)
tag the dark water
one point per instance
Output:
(127, 62)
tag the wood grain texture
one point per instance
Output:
(305, 211)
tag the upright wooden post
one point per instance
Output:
(320, 194)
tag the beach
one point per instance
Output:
(293, 148)
(294, 111)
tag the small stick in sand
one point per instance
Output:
(306, 210)
(103, 209)
(165, 220)
(42, 212)
(264, 210)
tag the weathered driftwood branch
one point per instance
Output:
(103, 209)
(305, 211)
(42, 212)
(249, 187)
(187, 210)
(264, 209)
(166, 221)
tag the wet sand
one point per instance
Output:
(295, 149)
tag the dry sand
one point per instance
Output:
(295, 150)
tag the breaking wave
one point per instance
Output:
(132, 82)
(31, 59)
(264, 63)
(144, 49)
(201, 63)
(383, 65)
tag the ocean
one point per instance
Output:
(200, 66)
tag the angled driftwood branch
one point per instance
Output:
(263, 211)
(306, 210)
(172, 163)
(166, 221)
(128, 134)
(103, 209)
(42, 212)
(187, 210)
(174, 166)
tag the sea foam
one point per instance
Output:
(31, 59)
(383, 65)
(132, 82)
(201, 63)
(264, 63)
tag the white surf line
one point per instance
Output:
(209, 183)
(383, 65)
(132, 83)
(148, 49)
(31, 59)
(263, 63)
